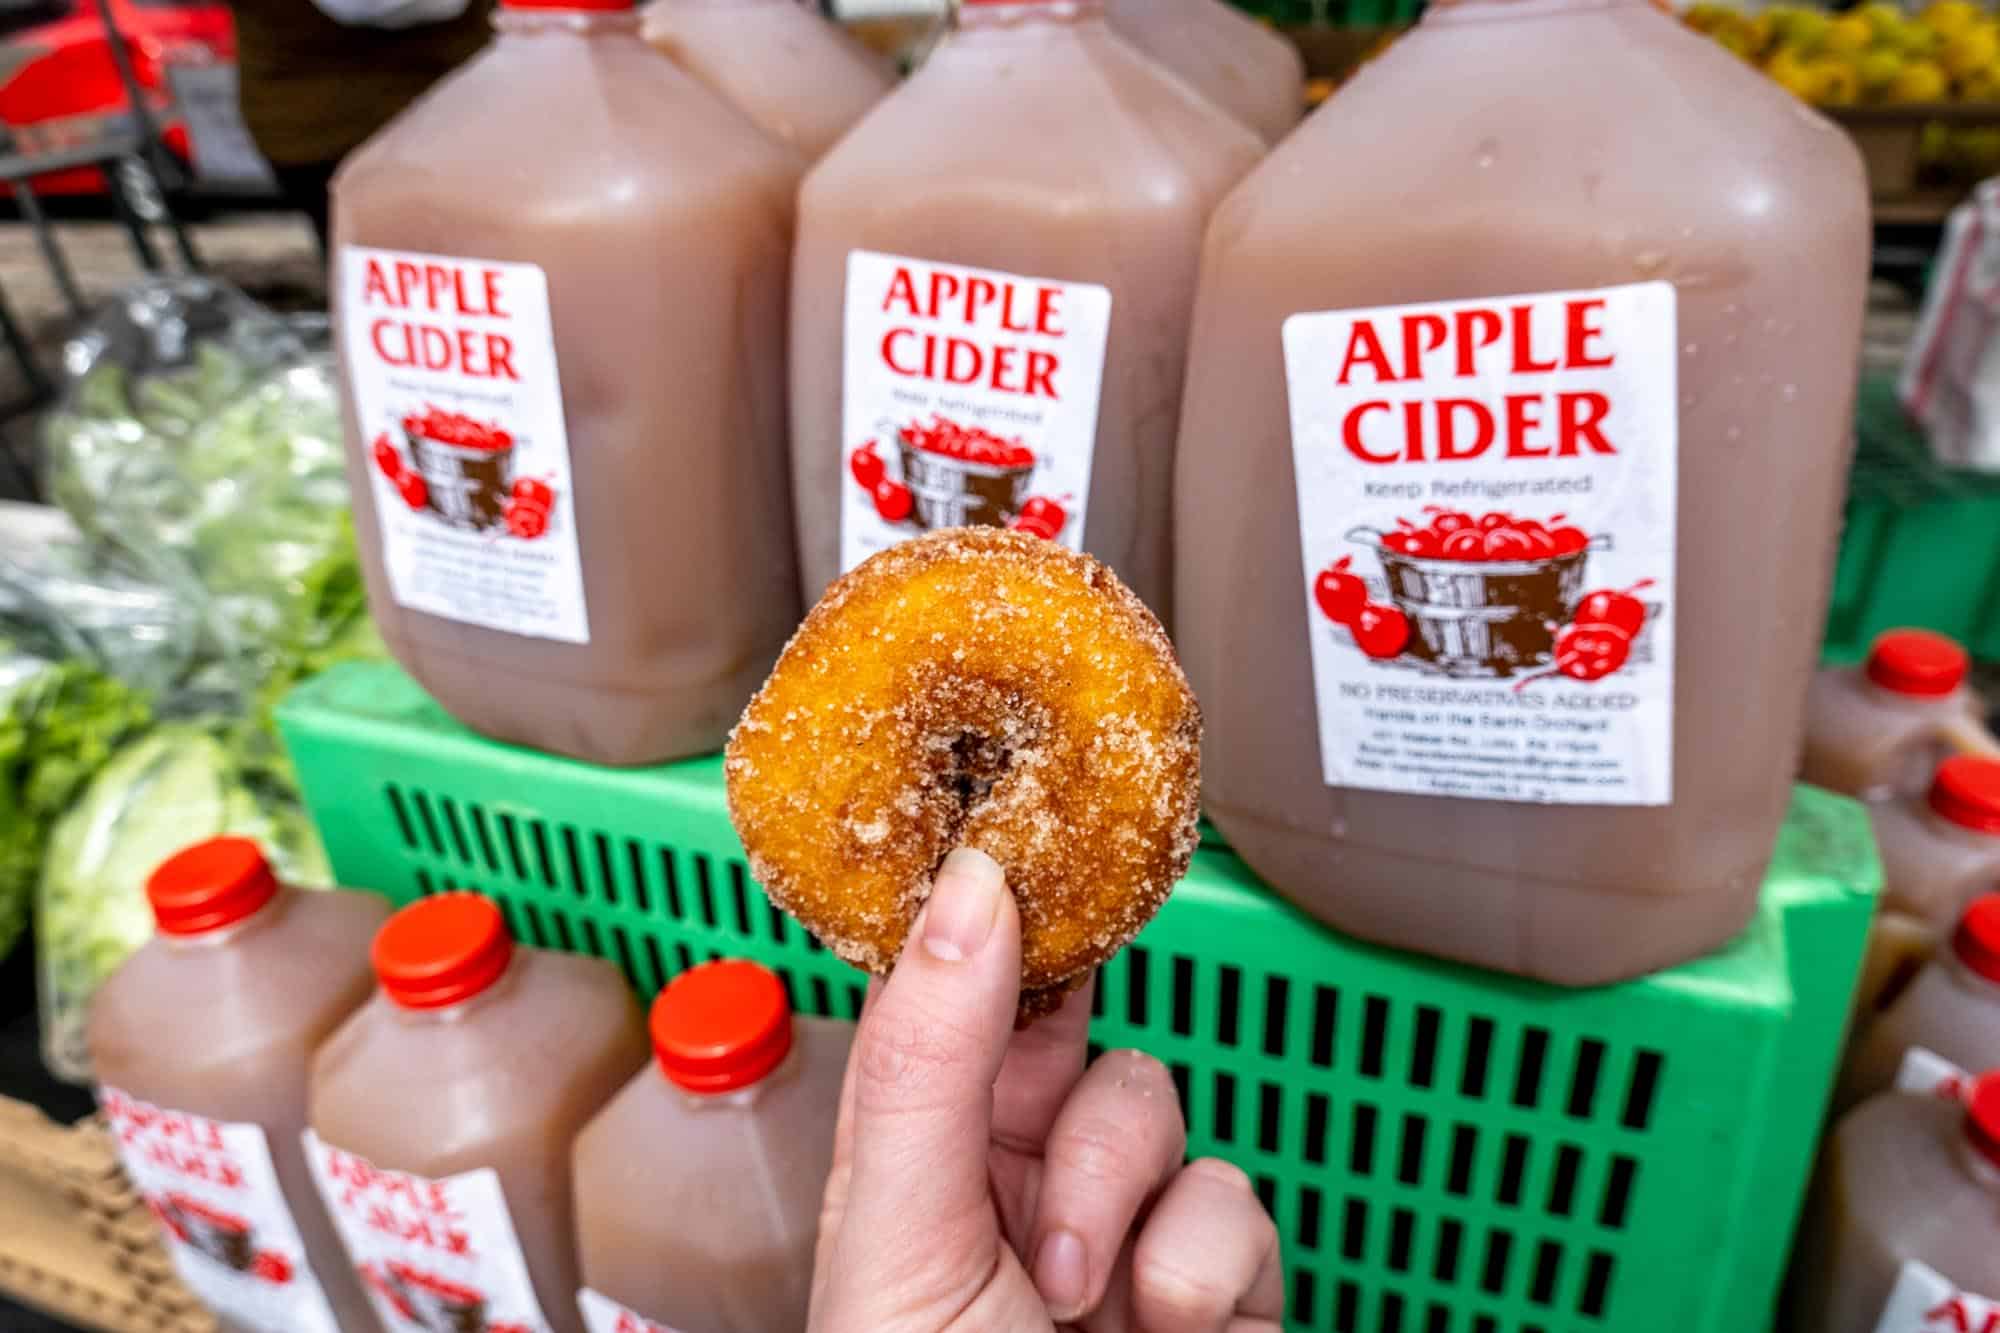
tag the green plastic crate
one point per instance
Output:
(1446, 1151)
(1921, 545)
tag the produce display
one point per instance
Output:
(207, 564)
(1948, 51)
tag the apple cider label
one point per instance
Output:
(433, 1254)
(226, 1223)
(1487, 500)
(967, 396)
(1924, 1302)
(601, 1314)
(451, 364)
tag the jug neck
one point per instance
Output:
(978, 16)
(517, 20)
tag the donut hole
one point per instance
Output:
(977, 762)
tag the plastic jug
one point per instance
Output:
(1236, 62)
(991, 297)
(698, 1188)
(801, 78)
(1942, 849)
(1903, 1235)
(1500, 638)
(1880, 730)
(442, 1115)
(1951, 1008)
(559, 291)
(200, 1043)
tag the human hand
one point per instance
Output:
(985, 1182)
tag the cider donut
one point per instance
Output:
(976, 687)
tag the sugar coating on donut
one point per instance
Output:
(973, 687)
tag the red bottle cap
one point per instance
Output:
(210, 885)
(721, 1026)
(441, 951)
(1982, 1117)
(1917, 662)
(1966, 791)
(1977, 939)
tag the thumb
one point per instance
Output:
(923, 1066)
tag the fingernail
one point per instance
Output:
(1062, 1274)
(963, 903)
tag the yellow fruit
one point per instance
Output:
(1802, 29)
(1914, 39)
(1791, 73)
(1850, 34)
(1982, 85)
(1706, 17)
(1737, 38)
(1885, 19)
(1833, 82)
(1877, 70)
(1970, 49)
(1918, 81)
(1948, 17)
(1762, 33)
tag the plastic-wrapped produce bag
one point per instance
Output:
(1951, 376)
(197, 449)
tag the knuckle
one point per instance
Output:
(1169, 1289)
(1097, 1150)
(900, 1060)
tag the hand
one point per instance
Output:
(985, 1182)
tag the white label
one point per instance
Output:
(601, 1314)
(226, 1222)
(439, 1256)
(1924, 1302)
(1931, 1074)
(1487, 502)
(452, 363)
(969, 396)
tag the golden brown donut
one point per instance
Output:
(984, 688)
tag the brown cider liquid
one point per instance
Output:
(662, 218)
(1948, 1010)
(224, 1025)
(699, 1211)
(1430, 177)
(1932, 868)
(1876, 744)
(1898, 1181)
(1034, 141)
(1233, 60)
(503, 1080)
(801, 78)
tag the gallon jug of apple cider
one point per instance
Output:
(1880, 730)
(1501, 637)
(559, 291)
(698, 1188)
(1234, 61)
(200, 1043)
(991, 298)
(1903, 1232)
(1941, 850)
(442, 1115)
(799, 76)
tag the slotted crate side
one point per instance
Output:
(1444, 1150)
(1442, 1140)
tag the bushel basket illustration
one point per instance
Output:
(1482, 618)
(953, 492)
(466, 480)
